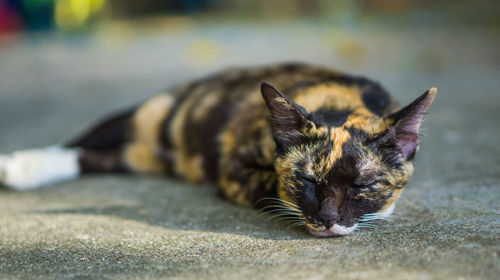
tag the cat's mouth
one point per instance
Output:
(335, 230)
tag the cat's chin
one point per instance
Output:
(335, 230)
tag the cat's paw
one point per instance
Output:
(30, 169)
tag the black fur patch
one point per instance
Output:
(325, 117)
(110, 134)
(307, 196)
(209, 148)
(92, 161)
(376, 99)
(165, 126)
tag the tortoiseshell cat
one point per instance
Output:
(332, 150)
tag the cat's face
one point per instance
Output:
(336, 190)
(337, 179)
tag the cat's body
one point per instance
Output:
(343, 146)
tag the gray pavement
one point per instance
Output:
(446, 225)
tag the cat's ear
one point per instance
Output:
(406, 124)
(287, 118)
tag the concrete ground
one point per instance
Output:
(446, 225)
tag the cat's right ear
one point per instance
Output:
(406, 124)
(287, 118)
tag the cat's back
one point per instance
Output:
(210, 116)
(226, 93)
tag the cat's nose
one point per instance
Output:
(328, 213)
(329, 220)
(328, 224)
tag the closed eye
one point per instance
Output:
(308, 180)
(309, 189)
(365, 185)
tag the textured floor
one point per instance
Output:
(446, 225)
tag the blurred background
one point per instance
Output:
(71, 15)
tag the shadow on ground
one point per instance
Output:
(176, 205)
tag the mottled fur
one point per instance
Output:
(329, 150)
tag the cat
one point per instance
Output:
(329, 150)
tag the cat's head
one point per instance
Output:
(338, 178)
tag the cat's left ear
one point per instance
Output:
(407, 121)
(287, 118)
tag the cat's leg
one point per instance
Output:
(129, 142)
(96, 150)
(126, 142)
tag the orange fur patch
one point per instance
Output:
(141, 154)
(395, 195)
(186, 165)
(330, 96)
(339, 136)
